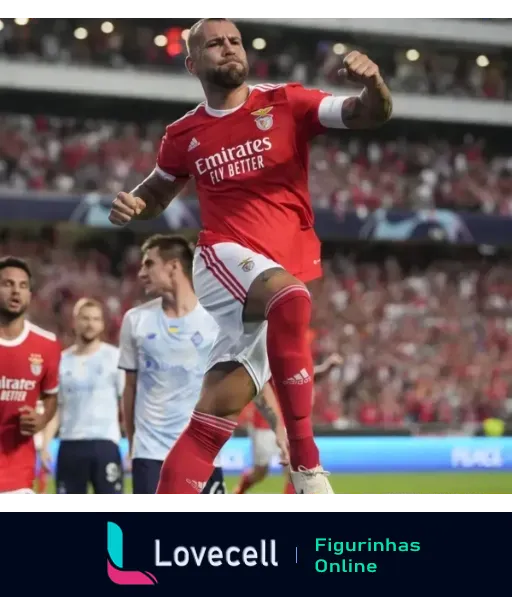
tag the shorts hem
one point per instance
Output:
(246, 365)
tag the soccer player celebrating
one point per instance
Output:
(88, 414)
(29, 371)
(247, 148)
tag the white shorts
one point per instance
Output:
(264, 446)
(17, 491)
(223, 274)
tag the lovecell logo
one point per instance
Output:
(115, 566)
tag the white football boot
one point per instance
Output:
(311, 481)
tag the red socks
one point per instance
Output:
(291, 363)
(189, 464)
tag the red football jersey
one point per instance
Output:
(29, 368)
(251, 170)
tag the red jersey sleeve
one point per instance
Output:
(315, 110)
(171, 163)
(50, 381)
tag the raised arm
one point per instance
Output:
(374, 106)
(316, 110)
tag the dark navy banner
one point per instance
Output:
(255, 554)
(381, 225)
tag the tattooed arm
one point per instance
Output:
(374, 106)
(157, 193)
(369, 110)
(147, 201)
(267, 405)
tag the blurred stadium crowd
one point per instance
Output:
(274, 54)
(421, 343)
(69, 155)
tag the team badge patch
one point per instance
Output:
(197, 339)
(247, 265)
(36, 364)
(264, 120)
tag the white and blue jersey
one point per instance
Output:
(91, 387)
(170, 358)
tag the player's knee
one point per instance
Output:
(263, 289)
(226, 391)
(218, 411)
(220, 406)
(292, 305)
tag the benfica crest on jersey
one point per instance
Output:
(36, 364)
(247, 265)
(264, 120)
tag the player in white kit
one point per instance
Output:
(88, 415)
(165, 350)
(165, 345)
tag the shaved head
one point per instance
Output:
(195, 37)
(216, 55)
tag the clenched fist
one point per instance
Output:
(124, 208)
(358, 68)
(31, 422)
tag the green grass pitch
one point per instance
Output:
(417, 483)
